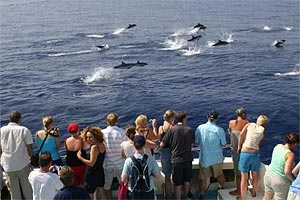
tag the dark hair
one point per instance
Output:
(66, 175)
(45, 159)
(292, 138)
(240, 112)
(14, 116)
(180, 116)
(130, 131)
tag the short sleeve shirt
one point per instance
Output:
(14, 139)
(210, 138)
(152, 168)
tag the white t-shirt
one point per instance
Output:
(113, 137)
(13, 143)
(45, 185)
(128, 148)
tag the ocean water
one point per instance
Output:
(50, 64)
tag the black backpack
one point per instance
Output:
(140, 180)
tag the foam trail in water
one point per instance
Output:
(191, 51)
(99, 74)
(94, 36)
(118, 31)
(267, 28)
(295, 72)
(175, 44)
(69, 53)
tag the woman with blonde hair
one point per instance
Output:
(250, 140)
(94, 174)
(141, 126)
(52, 140)
(169, 118)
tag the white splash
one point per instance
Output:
(229, 37)
(288, 28)
(267, 28)
(191, 51)
(99, 74)
(118, 31)
(175, 44)
(210, 43)
(94, 36)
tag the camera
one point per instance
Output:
(151, 120)
(56, 167)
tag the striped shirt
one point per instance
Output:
(113, 137)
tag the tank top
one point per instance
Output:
(73, 160)
(254, 135)
(49, 145)
(278, 160)
(98, 166)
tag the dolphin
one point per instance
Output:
(220, 43)
(105, 46)
(278, 43)
(124, 65)
(194, 38)
(130, 26)
(200, 26)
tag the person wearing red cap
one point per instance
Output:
(74, 144)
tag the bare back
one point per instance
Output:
(238, 124)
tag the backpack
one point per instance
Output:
(140, 180)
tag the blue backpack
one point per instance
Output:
(140, 180)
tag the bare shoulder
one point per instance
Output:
(102, 147)
(40, 134)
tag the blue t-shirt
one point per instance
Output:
(49, 145)
(152, 168)
(72, 192)
(210, 138)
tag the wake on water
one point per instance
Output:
(118, 31)
(100, 73)
(295, 72)
(93, 49)
(94, 36)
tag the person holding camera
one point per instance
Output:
(52, 140)
(45, 184)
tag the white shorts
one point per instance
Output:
(109, 175)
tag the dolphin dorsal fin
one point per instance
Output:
(193, 36)
(123, 63)
(138, 62)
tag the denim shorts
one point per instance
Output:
(166, 164)
(249, 161)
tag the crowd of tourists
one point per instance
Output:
(96, 157)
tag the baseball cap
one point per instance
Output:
(139, 139)
(212, 114)
(73, 127)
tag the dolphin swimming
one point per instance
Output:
(105, 46)
(194, 38)
(220, 43)
(124, 65)
(130, 26)
(278, 43)
(200, 26)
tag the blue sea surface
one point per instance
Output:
(50, 64)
